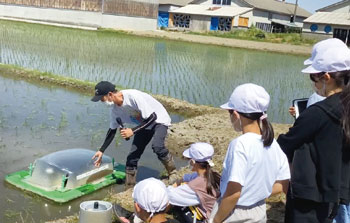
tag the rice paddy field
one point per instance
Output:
(37, 120)
(200, 74)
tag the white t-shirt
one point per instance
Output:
(254, 166)
(138, 106)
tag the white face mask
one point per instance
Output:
(236, 124)
(189, 164)
(321, 92)
(109, 103)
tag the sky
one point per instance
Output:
(313, 5)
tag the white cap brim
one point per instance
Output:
(226, 106)
(308, 62)
(186, 153)
(310, 70)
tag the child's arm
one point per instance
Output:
(228, 202)
(182, 196)
(185, 179)
(292, 111)
(280, 186)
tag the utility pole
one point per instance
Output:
(295, 11)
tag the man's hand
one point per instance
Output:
(98, 156)
(126, 133)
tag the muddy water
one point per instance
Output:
(35, 121)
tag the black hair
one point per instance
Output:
(213, 178)
(266, 128)
(342, 80)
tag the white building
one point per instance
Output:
(330, 21)
(116, 14)
(268, 15)
(210, 17)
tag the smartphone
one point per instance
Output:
(299, 105)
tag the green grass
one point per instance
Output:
(45, 78)
(259, 35)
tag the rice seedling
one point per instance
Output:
(11, 213)
(44, 104)
(148, 64)
(2, 122)
(8, 200)
(96, 137)
(63, 121)
(25, 123)
(2, 146)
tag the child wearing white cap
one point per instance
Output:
(255, 166)
(317, 146)
(316, 49)
(151, 200)
(201, 189)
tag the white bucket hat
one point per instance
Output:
(331, 60)
(248, 98)
(151, 195)
(323, 46)
(200, 152)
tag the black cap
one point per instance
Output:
(102, 89)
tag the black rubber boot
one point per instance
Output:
(169, 165)
(130, 179)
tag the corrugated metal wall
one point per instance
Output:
(85, 5)
(141, 8)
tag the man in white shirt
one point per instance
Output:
(151, 119)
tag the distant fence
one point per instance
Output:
(142, 8)
(147, 9)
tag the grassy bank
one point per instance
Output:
(259, 35)
(45, 78)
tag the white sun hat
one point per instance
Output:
(151, 195)
(331, 60)
(323, 46)
(200, 152)
(248, 98)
